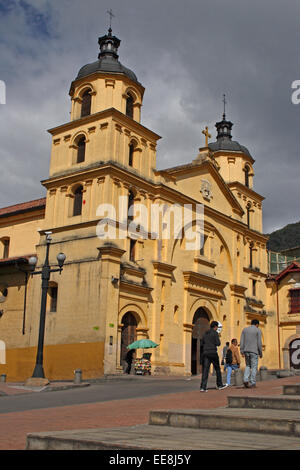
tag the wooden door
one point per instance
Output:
(128, 334)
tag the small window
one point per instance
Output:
(202, 249)
(132, 249)
(53, 298)
(130, 203)
(294, 301)
(247, 170)
(130, 159)
(248, 216)
(251, 256)
(81, 150)
(77, 209)
(129, 106)
(5, 252)
(254, 287)
(86, 103)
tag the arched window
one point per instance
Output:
(131, 150)
(129, 106)
(81, 150)
(247, 171)
(77, 208)
(86, 103)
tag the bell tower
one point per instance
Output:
(236, 168)
(104, 130)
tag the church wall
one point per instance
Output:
(22, 230)
(74, 333)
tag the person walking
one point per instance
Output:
(210, 342)
(232, 359)
(129, 359)
(223, 362)
(251, 348)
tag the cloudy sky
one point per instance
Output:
(186, 55)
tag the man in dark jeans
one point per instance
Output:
(210, 342)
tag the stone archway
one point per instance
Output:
(128, 335)
(200, 326)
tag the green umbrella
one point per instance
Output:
(142, 344)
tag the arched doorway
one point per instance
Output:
(200, 326)
(128, 335)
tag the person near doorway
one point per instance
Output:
(223, 363)
(129, 359)
(233, 359)
(210, 342)
(251, 348)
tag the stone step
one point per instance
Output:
(147, 437)
(283, 422)
(276, 402)
(291, 389)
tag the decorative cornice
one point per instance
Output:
(246, 190)
(237, 290)
(202, 283)
(254, 271)
(202, 260)
(111, 253)
(163, 269)
(135, 287)
(111, 112)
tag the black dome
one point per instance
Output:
(106, 64)
(229, 145)
(224, 139)
(107, 59)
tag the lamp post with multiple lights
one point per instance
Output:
(45, 272)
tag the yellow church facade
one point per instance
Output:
(140, 273)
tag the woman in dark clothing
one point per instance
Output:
(210, 342)
(129, 359)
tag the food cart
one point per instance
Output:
(142, 366)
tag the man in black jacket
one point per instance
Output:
(210, 342)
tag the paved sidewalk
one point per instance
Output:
(117, 413)
(13, 388)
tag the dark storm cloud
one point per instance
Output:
(186, 54)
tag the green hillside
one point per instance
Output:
(286, 237)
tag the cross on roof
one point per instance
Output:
(111, 16)
(207, 135)
(225, 102)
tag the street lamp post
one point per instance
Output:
(45, 272)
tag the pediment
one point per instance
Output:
(203, 182)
